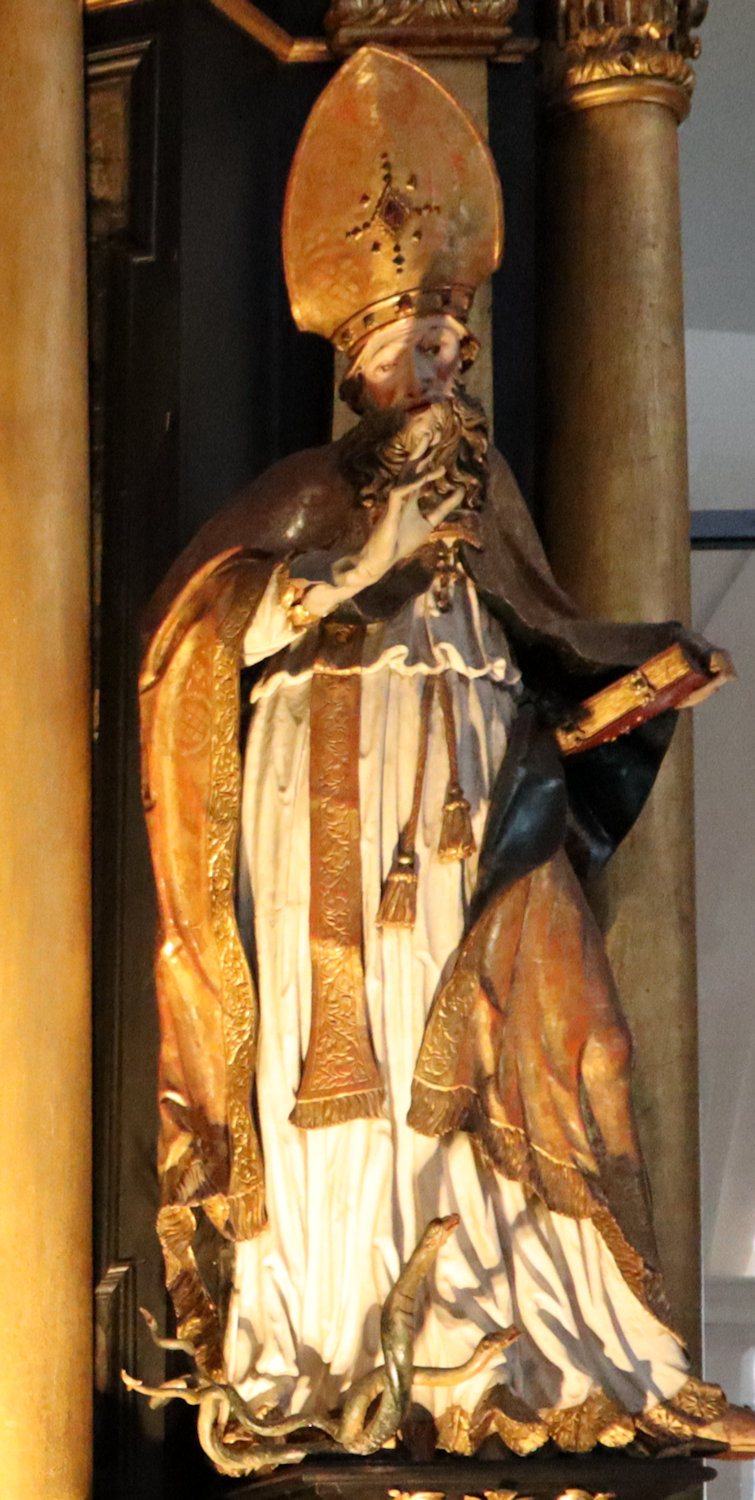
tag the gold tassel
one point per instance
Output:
(398, 905)
(456, 837)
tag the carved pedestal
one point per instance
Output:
(577, 1478)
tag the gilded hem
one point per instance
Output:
(196, 1314)
(438, 1111)
(314, 1114)
(238, 998)
(596, 1422)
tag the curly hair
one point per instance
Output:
(378, 450)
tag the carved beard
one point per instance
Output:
(394, 445)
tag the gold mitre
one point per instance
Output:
(393, 206)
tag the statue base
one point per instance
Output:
(581, 1477)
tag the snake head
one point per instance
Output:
(440, 1230)
(496, 1342)
(420, 1261)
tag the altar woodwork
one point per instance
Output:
(651, 588)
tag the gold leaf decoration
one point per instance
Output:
(502, 1414)
(577, 1429)
(649, 39)
(453, 1431)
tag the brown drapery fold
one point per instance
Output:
(209, 1154)
(526, 1047)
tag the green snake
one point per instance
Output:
(351, 1431)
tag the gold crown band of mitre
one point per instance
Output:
(418, 302)
(393, 205)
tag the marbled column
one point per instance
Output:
(45, 1206)
(617, 529)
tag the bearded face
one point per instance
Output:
(394, 446)
(417, 416)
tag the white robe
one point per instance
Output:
(347, 1203)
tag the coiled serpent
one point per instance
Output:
(352, 1431)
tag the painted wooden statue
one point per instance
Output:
(385, 1004)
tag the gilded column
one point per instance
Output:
(616, 513)
(45, 1205)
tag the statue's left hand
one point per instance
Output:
(721, 668)
(710, 661)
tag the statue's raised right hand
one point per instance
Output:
(402, 529)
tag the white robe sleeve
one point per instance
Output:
(271, 629)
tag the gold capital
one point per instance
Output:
(456, 28)
(610, 51)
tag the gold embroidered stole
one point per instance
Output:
(340, 1080)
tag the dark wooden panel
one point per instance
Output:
(252, 387)
(593, 1476)
(133, 117)
(514, 112)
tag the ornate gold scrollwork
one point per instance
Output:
(496, 1495)
(602, 41)
(418, 12)
(578, 1429)
(586, 1495)
(458, 27)
(416, 1495)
